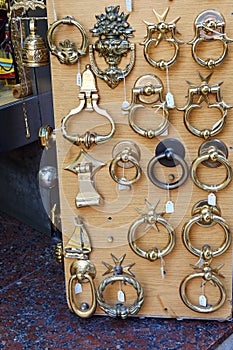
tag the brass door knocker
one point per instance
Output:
(158, 32)
(113, 31)
(88, 97)
(68, 54)
(206, 216)
(212, 153)
(126, 154)
(82, 270)
(122, 275)
(170, 153)
(207, 274)
(151, 219)
(147, 90)
(209, 26)
(201, 93)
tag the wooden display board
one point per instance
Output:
(109, 222)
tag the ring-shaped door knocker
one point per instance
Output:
(170, 153)
(126, 154)
(68, 54)
(88, 101)
(148, 90)
(209, 26)
(212, 153)
(151, 219)
(163, 31)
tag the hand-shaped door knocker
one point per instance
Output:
(207, 274)
(88, 101)
(82, 270)
(196, 95)
(68, 54)
(113, 31)
(122, 275)
(209, 26)
(158, 32)
(148, 90)
(212, 153)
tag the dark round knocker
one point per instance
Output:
(209, 26)
(169, 153)
(68, 54)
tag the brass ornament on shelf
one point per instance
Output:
(27, 5)
(110, 28)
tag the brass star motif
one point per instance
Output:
(118, 269)
(150, 215)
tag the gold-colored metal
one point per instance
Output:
(148, 89)
(110, 28)
(88, 97)
(207, 274)
(151, 219)
(44, 134)
(85, 166)
(203, 91)
(158, 32)
(126, 154)
(34, 53)
(68, 54)
(120, 274)
(211, 156)
(3, 5)
(205, 215)
(209, 26)
(26, 5)
(25, 115)
(58, 253)
(82, 270)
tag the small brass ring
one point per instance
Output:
(152, 254)
(124, 181)
(161, 64)
(170, 185)
(199, 308)
(214, 219)
(119, 309)
(69, 55)
(207, 157)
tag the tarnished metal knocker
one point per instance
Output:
(207, 274)
(209, 26)
(148, 90)
(151, 219)
(68, 54)
(88, 101)
(170, 153)
(212, 153)
(163, 31)
(121, 274)
(203, 91)
(206, 216)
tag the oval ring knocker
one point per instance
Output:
(68, 54)
(169, 152)
(209, 26)
(212, 153)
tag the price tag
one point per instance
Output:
(129, 5)
(211, 199)
(121, 296)
(124, 105)
(79, 79)
(170, 100)
(202, 300)
(124, 187)
(78, 288)
(169, 207)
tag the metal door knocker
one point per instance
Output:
(169, 153)
(88, 97)
(122, 275)
(158, 32)
(209, 26)
(206, 215)
(147, 90)
(82, 270)
(126, 154)
(207, 274)
(212, 153)
(68, 53)
(151, 219)
(201, 92)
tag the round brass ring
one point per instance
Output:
(207, 157)
(152, 254)
(161, 64)
(198, 308)
(124, 181)
(214, 218)
(170, 185)
(119, 309)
